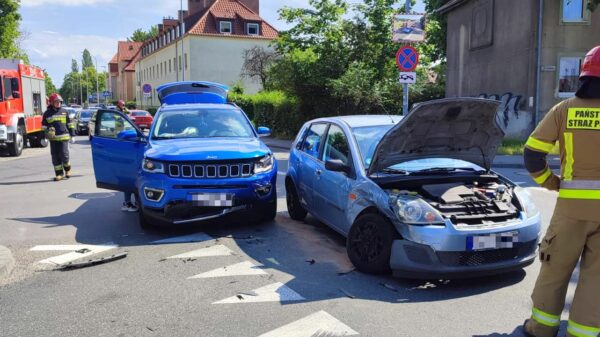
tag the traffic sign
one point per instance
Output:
(407, 58)
(147, 90)
(408, 78)
(107, 94)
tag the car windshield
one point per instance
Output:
(367, 138)
(85, 114)
(140, 113)
(202, 123)
(435, 165)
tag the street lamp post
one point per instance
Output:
(97, 90)
(105, 83)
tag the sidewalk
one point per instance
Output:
(6, 262)
(499, 161)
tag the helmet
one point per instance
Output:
(55, 97)
(591, 64)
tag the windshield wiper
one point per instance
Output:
(395, 171)
(435, 170)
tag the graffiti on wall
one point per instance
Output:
(509, 108)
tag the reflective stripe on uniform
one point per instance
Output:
(57, 119)
(58, 168)
(579, 330)
(538, 145)
(61, 138)
(568, 174)
(545, 318)
(542, 179)
(579, 194)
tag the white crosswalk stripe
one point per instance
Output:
(276, 292)
(317, 324)
(216, 250)
(196, 237)
(245, 268)
(76, 252)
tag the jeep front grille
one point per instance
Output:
(210, 171)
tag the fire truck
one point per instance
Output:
(22, 93)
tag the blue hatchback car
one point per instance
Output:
(201, 160)
(415, 195)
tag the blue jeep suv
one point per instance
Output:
(201, 160)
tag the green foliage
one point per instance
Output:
(152, 111)
(131, 105)
(86, 61)
(74, 66)
(237, 88)
(77, 86)
(50, 87)
(243, 101)
(140, 35)
(9, 30)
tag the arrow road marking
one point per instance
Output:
(276, 292)
(197, 237)
(317, 324)
(216, 250)
(240, 269)
(76, 252)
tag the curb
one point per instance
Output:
(7, 262)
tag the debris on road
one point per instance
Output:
(93, 262)
(149, 328)
(347, 293)
(273, 261)
(311, 262)
(389, 286)
(83, 251)
(247, 293)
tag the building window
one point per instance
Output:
(185, 57)
(225, 27)
(568, 75)
(253, 29)
(179, 62)
(574, 11)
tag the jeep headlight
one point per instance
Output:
(526, 202)
(264, 164)
(413, 210)
(152, 166)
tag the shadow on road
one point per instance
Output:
(518, 332)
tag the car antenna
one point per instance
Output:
(385, 110)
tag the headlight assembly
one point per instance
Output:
(265, 164)
(415, 211)
(526, 202)
(152, 166)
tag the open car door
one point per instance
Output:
(117, 150)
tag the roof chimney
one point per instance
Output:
(182, 15)
(195, 6)
(252, 4)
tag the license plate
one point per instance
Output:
(492, 241)
(212, 199)
(143, 125)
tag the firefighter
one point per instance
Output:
(574, 231)
(59, 131)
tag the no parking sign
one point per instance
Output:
(407, 58)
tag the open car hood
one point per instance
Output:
(458, 128)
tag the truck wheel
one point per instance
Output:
(369, 243)
(42, 141)
(16, 147)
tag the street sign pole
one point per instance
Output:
(405, 100)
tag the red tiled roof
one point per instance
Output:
(239, 14)
(131, 65)
(114, 59)
(127, 50)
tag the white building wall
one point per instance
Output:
(211, 59)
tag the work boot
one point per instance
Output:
(524, 329)
(58, 178)
(68, 174)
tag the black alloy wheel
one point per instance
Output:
(295, 208)
(369, 243)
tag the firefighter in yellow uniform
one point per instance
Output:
(59, 131)
(574, 232)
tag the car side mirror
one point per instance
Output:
(128, 135)
(264, 131)
(337, 165)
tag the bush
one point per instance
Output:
(131, 105)
(279, 112)
(152, 111)
(245, 102)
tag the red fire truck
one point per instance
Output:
(22, 98)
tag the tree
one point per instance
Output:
(50, 88)
(140, 35)
(257, 61)
(9, 30)
(74, 66)
(86, 61)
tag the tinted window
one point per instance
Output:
(367, 138)
(336, 146)
(111, 124)
(312, 141)
(7, 84)
(85, 114)
(202, 123)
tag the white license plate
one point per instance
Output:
(492, 241)
(212, 199)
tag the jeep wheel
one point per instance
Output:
(16, 147)
(369, 243)
(295, 209)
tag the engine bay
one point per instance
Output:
(466, 204)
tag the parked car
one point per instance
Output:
(81, 120)
(71, 112)
(111, 107)
(415, 195)
(201, 160)
(143, 119)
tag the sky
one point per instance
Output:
(57, 31)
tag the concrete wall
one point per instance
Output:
(491, 52)
(563, 39)
(215, 59)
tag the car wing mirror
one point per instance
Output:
(264, 131)
(128, 135)
(337, 165)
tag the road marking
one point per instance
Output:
(281, 173)
(197, 237)
(87, 250)
(216, 250)
(276, 292)
(246, 268)
(318, 324)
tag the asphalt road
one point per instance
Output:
(283, 278)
